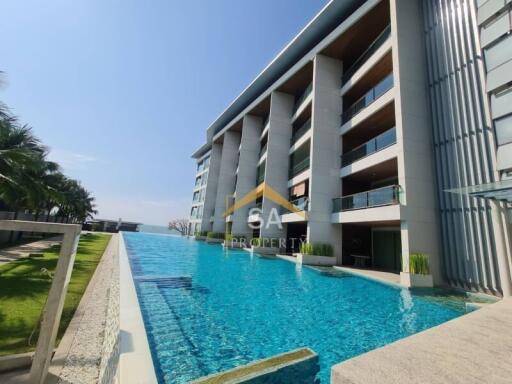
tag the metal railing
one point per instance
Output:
(373, 94)
(389, 195)
(301, 204)
(299, 167)
(375, 44)
(374, 145)
(302, 97)
(300, 132)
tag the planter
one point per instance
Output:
(416, 281)
(232, 244)
(326, 261)
(214, 241)
(265, 250)
(200, 238)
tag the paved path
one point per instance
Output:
(18, 251)
(472, 349)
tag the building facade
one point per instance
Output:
(374, 122)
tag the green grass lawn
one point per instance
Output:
(24, 288)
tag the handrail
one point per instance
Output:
(374, 45)
(299, 167)
(301, 204)
(388, 195)
(302, 97)
(376, 144)
(373, 94)
(300, 132)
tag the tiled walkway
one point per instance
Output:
(472, 349)
(18, 251)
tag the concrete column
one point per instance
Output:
(325, 183)
(247, 169)
(211, 186)
(226, 180)
(278, 147)
(498, 214)
(419, 221)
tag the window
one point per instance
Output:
(503, 128)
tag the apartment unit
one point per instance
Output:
(377, 123)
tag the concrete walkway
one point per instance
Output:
(475, 348)
(18, 251)
(380, 276)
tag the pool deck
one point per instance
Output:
(475, 348)
(380, 276)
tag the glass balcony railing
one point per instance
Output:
(375, 198)
(262, 150)
(370, 96)
(301, 204)
(299, 167)
(376, 44)
(302, 97)
(374, 145)
(300, 132)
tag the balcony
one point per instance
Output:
(374, 46)
(263, 149)
(302, 98)
(300, 132)
(372, 146)
(389, 195)
(299, 167)
(373, 94)
(302, 204)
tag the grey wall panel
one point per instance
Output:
(463, 142)
(505, 156)
(488, 9)
(501, 104)
(495, 30)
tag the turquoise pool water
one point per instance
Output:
(208, 310)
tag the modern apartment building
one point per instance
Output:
(386, 122)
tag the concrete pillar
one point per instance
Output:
(247, 169)
(276, 169)
(211, 186)
(419, 221)
(226, 180)
(498, 214)
(325, 183)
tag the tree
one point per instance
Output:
(180, 225)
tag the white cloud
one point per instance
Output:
(71, 160)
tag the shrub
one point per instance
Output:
(201, 233)
(215, 235)
(316, 249)
(419, 264)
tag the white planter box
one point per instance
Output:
(416, 281)
(265, 250)
(232, 244)
(215, 241)
(327, 261)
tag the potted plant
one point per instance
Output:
(266, 245)
(215, 237)
(417, 273)
(319, 254)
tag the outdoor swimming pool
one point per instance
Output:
(207, 310)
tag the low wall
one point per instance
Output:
(110, 350)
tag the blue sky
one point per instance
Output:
(122, 91)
